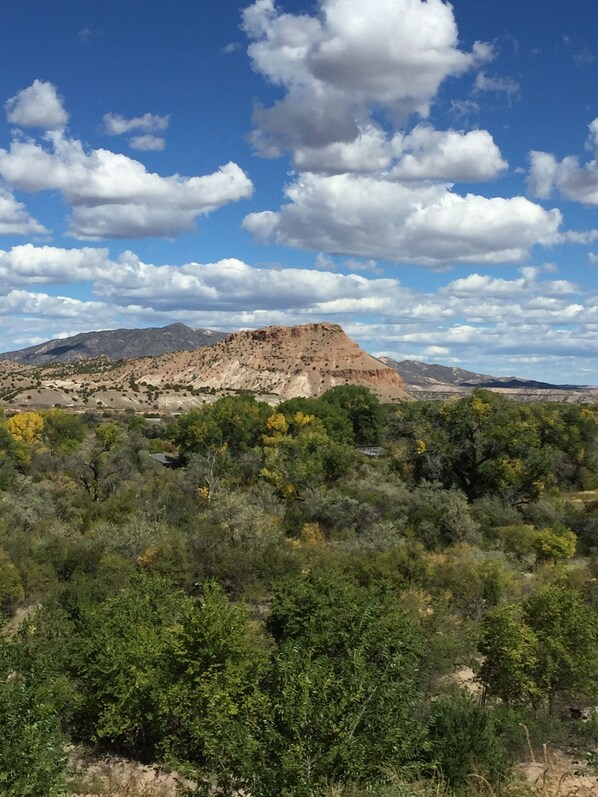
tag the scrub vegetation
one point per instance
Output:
(287, 606)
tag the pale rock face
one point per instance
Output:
(275, 363)
(286, 361)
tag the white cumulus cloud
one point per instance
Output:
(369, 152)
(422, 154)
(573, 180)
(14, 218)
(49, 265)
(113, 195)
(503, 85)
(451, 156)
(148, 143)
(231, 284)
(423, 224)
(39, 105)
(340, 64)
(116, 125)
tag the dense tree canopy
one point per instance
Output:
(484, 444)
(279, 613)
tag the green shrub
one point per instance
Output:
(463, 738)
(32, 759)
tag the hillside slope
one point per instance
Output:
(414, 372)
(116, 344)
(285, 361)
(274, 363)
(433, 381)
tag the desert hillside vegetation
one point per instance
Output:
(331, 596)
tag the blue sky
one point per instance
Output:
(422, 173)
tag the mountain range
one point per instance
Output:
(175, 367)
(273, 363)
(430, 375)
(116, 344)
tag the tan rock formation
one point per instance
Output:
(285, 361)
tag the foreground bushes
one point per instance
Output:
(281, 614)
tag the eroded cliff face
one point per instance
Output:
(285, 361)
(274, 363)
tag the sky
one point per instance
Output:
(423, 173)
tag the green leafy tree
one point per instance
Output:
(510, 650)
(62, 431)
(363, 409)
(556, 543)
(343, 685)
(334, 417)
(104, 463)
(475, 580)
(483, 444)
(8, 456)
(11, 585)
(234, 421)
(440, 517)
(462, 738)
(518, 539)
(32, 746)
(567, 632)
(299, 455)
(165, 675)
(546, 647)
(109, 436)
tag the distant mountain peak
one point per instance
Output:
(421, 376)
(273, 363)
(116, 344)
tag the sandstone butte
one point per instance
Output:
(283, 361)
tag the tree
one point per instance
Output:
(555, 543)
(462, 738)
(567, 632)
(8, 456)
(63, 431)
(26, 427)
(343, 685)
(234, 421)
(103, 463)
(440, 517)
(483, 443)
(209, 468)
(363, 409)
(11, 585)
(334, 417)
(510, 650)
(299, 455)
(518, 539)
(32, 757)
(109, 436)
(99, 473)
(475, 580)
(546, 647)
(163, 674)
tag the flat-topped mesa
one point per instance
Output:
(280, 336)
(303, 360)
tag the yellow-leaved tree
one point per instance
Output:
(26, 427)
(299, 454)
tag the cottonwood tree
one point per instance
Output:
(546, 647)
(343, 685)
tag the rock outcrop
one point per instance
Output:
(273, 363)
(284, 361)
